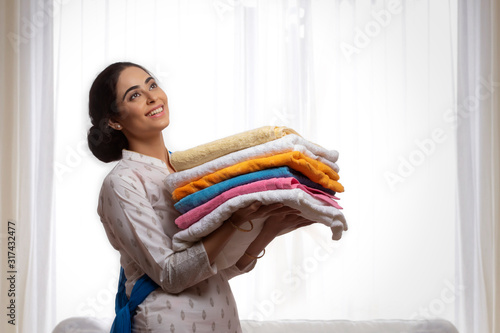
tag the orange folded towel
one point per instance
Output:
(315, 170)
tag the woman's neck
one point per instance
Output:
(154, 147)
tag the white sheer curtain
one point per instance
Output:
(478, 128)
(27, 147)
(373, 79)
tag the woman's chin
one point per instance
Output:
(166, 124)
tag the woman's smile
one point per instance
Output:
(156, 112)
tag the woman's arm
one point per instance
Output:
(136, 230)
(217, 240)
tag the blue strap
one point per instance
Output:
(121, 297)
(124, 307)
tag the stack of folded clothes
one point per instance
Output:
(270, 165)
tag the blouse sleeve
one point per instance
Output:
(235, 271)
(133, 229)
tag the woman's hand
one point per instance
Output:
(217, 240)
(275, 225)
(281, 224)
(280, 220)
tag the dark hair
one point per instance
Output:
(105, 142)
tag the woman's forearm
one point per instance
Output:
(274, 226)
(255, 248)
(215, 242)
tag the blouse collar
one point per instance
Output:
(141, 158)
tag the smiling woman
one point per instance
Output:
(138, 214)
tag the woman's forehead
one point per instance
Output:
(131, 76)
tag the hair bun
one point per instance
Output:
(106, 143)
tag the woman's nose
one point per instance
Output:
(152, 98)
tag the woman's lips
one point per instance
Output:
(156, 112)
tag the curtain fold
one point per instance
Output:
(478, 140)
(27, 163)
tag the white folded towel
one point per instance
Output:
(288, 143)
(310, 208)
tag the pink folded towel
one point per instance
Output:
(192, 216)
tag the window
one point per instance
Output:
(374, 80)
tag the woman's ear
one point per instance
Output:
(113, 124)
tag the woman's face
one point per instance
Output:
(142, 104)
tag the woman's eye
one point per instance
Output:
(133, 96)
(153, 85)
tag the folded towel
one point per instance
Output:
(200, 197)
(190, 158)
(286, 144)
(309, 207)
(312, 169)
(194, 215)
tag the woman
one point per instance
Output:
(129, 111)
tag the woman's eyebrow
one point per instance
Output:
(135, 87)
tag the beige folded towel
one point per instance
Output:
(187, 159)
